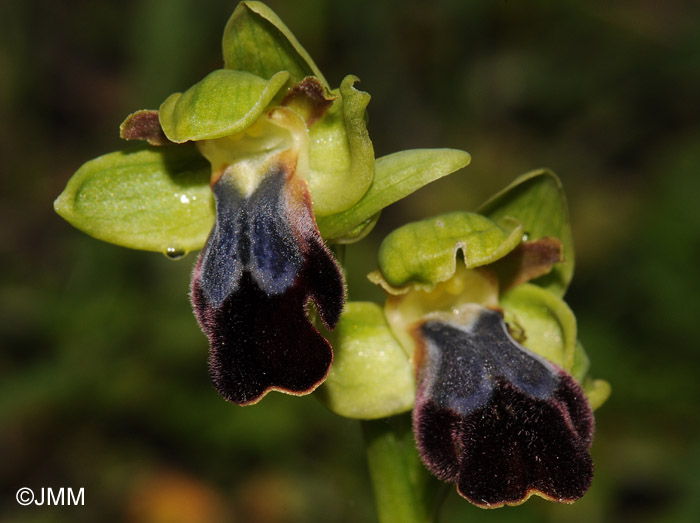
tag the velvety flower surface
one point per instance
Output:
(496, 419)
(503, 398)
(263, 262)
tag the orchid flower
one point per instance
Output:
(259, 165)
(475, 339)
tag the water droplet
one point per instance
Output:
(526, 236)
(184, 199)
(173, 253)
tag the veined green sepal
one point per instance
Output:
(257, 41)
(225, 102)
(150, 198)
(537, 200)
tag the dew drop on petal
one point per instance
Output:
(173, 253)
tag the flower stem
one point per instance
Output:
(404, 491)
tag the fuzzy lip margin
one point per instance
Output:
(498, 432)
(263, 262)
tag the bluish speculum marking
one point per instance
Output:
(252, 235)
(495, 419)
(469, 359)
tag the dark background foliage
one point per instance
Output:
(103, 379)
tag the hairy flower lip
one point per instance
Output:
(263, 262)
(495, 419)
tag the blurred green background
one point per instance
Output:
(103, 378)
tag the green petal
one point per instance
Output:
(155, 199)
(425, 252)
(223, 103)
(395, 177)
(257, 41)
(548, 325)
(341, 155)
(371, 376)
(537, 201)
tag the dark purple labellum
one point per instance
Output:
(499, 421)
(264, 260)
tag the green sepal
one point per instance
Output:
(546, 321)
(537, 200)
(395, 177)
(424, 253)
(341, 156)
(225, 102)
(257, 41)
(371, 376)
(155, 199)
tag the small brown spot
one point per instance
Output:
(143, 125)
(308, 98)
(529, 260)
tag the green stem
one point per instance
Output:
(404, 491)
